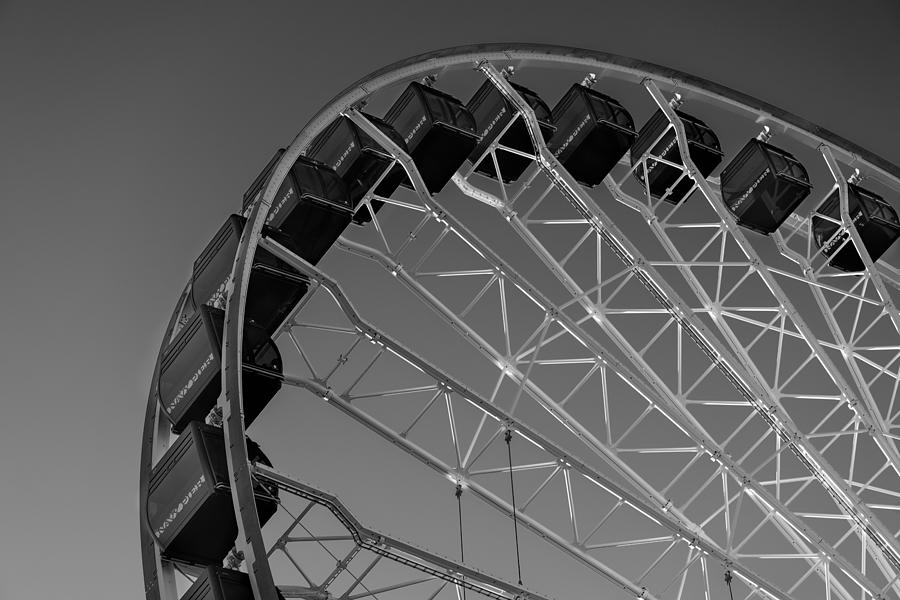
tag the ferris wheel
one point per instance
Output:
(643, 343)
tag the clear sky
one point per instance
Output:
(129, 130)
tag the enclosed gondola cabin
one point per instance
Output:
(311, 208)
(703, 146)
(439, 132)
(190, 371)
(492, 113)
(763, 185)
(360, 161)
(593, 132)
(274, 289)
(189, 507)
(217, 583)
(875, 220)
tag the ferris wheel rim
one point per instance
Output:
(410, 68)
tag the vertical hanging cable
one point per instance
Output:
(512, 489)
(728, 582)
(462, 548)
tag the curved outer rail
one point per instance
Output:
(242, 493)
(405, 70)
(154, 439)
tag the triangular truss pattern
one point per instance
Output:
(585, 509)
(320, 544)
(641, 389)
(600, 324)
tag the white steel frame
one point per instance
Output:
(717, 314)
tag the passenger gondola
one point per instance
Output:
(703, 147)
(437, 129)
(593, 132)
(360, 161)
(875, 220)
(189, 506)
(190, 371)
(763, 185)
(492, 113)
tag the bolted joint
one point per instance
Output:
(215, 417)
(234, 559)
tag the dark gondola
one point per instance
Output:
(763, 185)
(274, 289)
(875, 220)
(439, 132)
(311, 209)
(309, 212)
(359, 160)
(189, 507)
(703, 146)
(492, 112)
(593, 132)
(190, 372)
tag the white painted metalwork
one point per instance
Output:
(632, 331)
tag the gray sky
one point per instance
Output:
(129, 131)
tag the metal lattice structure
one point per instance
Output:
(671, 397)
